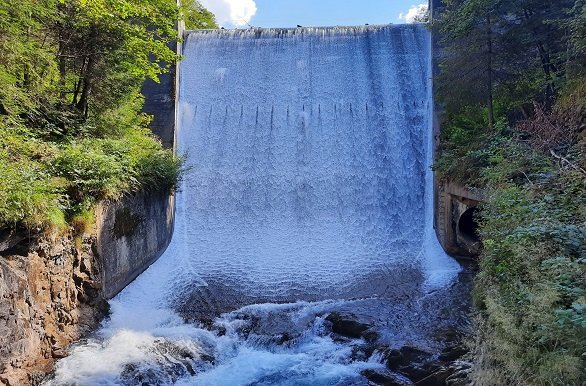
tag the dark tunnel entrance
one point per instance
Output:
(468, 225)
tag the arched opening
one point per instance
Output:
(468, 225)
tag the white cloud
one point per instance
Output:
(416, 13)
(231, 13)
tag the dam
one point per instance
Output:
(307, 200)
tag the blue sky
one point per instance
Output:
(289, 13)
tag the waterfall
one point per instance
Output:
(308, 191)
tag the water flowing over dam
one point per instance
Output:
(308, 199)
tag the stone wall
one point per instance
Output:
(455, 218)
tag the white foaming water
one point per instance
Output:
(310, 185)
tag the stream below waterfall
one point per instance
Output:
(304, 251)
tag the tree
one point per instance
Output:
(196, 16)
(64, 61)
(467, 30)
(26, 60)
(71, 130)
(114, 43)
(535, 39)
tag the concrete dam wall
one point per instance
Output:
(309, 207)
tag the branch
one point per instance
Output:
(571, 164)
(530, 182)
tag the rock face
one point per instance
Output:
(50, 295)
(53, 288)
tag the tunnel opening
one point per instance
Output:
(468, 225)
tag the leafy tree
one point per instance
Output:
(71, 130)
(117, 43)
(510, 52)
(26, 60)
(197, 16)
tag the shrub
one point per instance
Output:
(530, 289)
(43, 184)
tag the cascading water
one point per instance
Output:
(308, 193)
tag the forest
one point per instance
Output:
(512, 87)
(71, 127)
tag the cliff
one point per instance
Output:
(53, 288)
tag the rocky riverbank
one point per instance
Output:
(50, 295)
(54, 286)
(407, 365)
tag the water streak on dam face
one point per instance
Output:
(308, 191)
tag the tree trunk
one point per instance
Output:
(82, 105)
(79, 81)
(490, 76)
(546, 64)
(61, 55)
(62, 69)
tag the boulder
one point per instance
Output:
(415, 364)
(347, 326)
(386, 378)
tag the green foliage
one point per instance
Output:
(29, 194)
(27, 65)
(530, 162)
(43, 184)
(531, 284)
(83, 219)
(530, 289)
(463, 139)
(107, 48)
(196, 16)
(71, 131)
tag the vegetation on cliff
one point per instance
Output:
(512, 86)
(71, 131)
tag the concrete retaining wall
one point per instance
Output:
(160, 99)
(132, 233)
(454, 206)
